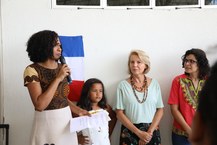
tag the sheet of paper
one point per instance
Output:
(98, 119)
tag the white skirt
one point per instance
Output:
(53, 127)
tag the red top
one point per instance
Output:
(185, 95)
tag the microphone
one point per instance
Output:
(63, 61)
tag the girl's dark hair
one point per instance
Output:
(202, 61)
(84, 101)
(207, 104)
(40, 45)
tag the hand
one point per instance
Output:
(64, 71)
(145, 137)
(150, 132)
(83, 112)
(141, 142)
(83, 139)
(189, 131)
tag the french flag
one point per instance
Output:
(74, 55)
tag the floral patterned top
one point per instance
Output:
(35, 73)
(185, 95)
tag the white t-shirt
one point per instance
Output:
(98, 135)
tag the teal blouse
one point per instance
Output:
(135, 111)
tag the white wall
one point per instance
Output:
(109, 35)
(1, 83)
(1, 101)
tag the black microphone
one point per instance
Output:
(63, 61)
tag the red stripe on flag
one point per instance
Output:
(75, 90)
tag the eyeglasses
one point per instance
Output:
(190, 61)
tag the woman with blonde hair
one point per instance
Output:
(139, 105)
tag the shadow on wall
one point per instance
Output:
(212, 49)
(211, 53)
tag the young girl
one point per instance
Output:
(92, 99)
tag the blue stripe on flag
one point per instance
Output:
(72, 46)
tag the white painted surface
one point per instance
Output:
(109, 36)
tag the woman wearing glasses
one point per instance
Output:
(183, 99)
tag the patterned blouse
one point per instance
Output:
(35, 73)
(185, 95)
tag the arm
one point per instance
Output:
(113, 120)
(77, 110)
(156, 120)
(179, 118)
(159, 111)
(144, 136)
(41, 100)
(174, 107)
(82, 139)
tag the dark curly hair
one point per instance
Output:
(207, 104)
(40, 45)
(202, 61)
(84, 101)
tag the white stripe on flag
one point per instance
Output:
(76, 65)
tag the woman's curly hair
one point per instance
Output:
(40, 45)
(202, 61)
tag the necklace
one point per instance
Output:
(143, 88)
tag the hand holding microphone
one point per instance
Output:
(63, 61)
